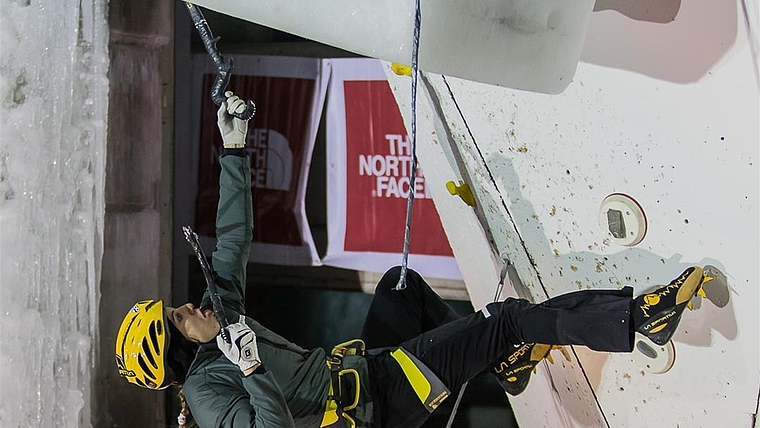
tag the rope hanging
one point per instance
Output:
(410, 201)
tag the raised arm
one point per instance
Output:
(234, 217)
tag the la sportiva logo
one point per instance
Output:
(519, 353)
(513, 357)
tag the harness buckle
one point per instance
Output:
(335, 411)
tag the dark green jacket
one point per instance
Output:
(292, 390)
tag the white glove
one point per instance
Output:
(242, 349)
(233, 129)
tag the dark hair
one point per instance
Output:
(180, 354)
(185, 418)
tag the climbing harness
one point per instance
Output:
(340, 397)
(345, 384)
(410, 201)
(224, 65)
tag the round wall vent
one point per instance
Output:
(622, 219)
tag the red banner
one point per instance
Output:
(378, 161)
(369, 167)
(279, 142)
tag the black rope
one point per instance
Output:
(410, 201)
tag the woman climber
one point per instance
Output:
(418, 348)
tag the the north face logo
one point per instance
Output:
(271, 159)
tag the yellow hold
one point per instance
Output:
(401, 70)
(462, 190)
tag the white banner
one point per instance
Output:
(368, 180)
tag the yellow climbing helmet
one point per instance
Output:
(142, 345)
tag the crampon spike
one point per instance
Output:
(564, 351)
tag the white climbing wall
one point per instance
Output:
(528, 44)
(666, 112)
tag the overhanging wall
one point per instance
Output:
(671, 120)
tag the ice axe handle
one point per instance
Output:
(216, 304)
(224, 65)
(216, 301)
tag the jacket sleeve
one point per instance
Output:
(234, 231)
(216, 403)
(267, 402)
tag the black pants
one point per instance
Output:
(458, 349)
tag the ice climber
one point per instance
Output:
(418, 348)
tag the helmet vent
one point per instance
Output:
(144, 366)
(149, 353)
(154, 332)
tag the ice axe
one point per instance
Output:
(216, 301)
(223, 65)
